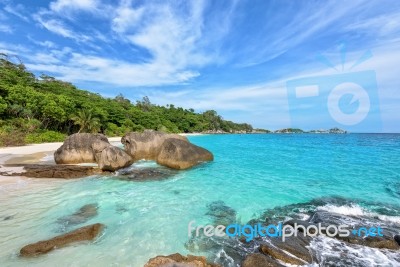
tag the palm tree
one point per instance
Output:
(84, 118)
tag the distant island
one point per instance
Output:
(321, 131)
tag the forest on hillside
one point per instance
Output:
(44, 109)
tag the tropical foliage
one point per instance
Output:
(40, 109)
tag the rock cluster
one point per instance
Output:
(170, 150)
(90, 148)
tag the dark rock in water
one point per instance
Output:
(259, 260)
(86, 233)
(385, 241)
(279, 254)
(177, 260)
(8, 218)
(180, 154)
(56, 171)
(84, 214)
(221, 213)
(295, 245)
(397, 239)
(145, 174)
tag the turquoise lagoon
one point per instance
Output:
(250, 173)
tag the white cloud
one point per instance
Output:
(17, 10)
(58, 27)
(384, 25)
(60, 6)
(5, 29)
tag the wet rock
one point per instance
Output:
(84, 214)
(397, 239)
(259, 260)
(56, 171)
(386, 241)
(177, 260)
(295, 245)
(279, 254)
(221, 213)
(145, 174)
(77, 148)
(86, 233)
(146, 145)
(180, 154)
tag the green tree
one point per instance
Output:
(86, 121)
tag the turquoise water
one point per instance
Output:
(250, 173)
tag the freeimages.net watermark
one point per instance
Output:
(280, 230)
(347, 99)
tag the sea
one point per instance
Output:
(349, 174)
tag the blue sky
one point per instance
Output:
(236, 57)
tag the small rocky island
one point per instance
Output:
(320, 131)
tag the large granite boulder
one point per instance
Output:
(113, 158)
(146, 145)
(92, 148)
(171, 150)
(180, 154)
(77, 148)
(86, 233)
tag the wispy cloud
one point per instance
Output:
(5, 29)
(17, 10)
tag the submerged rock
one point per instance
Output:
(177, 260)
(84, 214)
(86, 233)
(221, 213)
(145, 174)
(180, 154)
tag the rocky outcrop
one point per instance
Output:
(146, 145)
(54, 171)
(259, 260)
(86, 233)
(170, 150)
(177, 260)
(90, 148)
(180, 154)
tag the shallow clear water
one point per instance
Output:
(251, 173)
